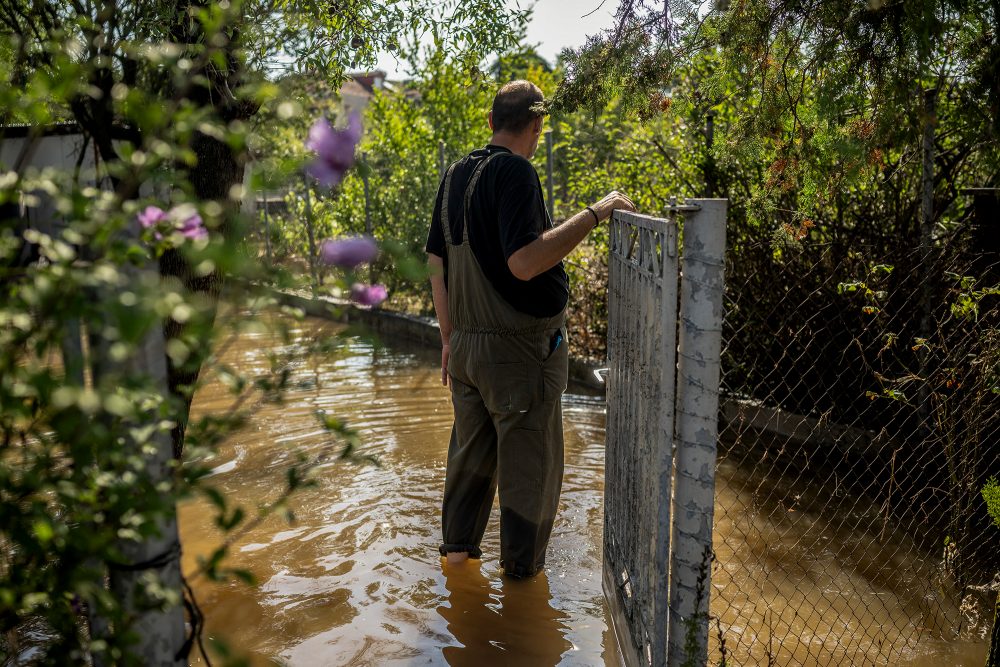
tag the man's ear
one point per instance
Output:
(489, 119)
(537, 128)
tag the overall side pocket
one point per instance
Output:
(555, 369)
(506, 388)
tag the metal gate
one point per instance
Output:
(663, 385)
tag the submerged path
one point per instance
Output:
(356, 580)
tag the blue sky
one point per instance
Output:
(554, 25)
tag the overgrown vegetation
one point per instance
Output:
(112, 267)
(847, 136)
(843, 134)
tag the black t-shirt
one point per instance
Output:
(506, 213)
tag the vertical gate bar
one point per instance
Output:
(646, 530)
(664, 461)
(700, 343)
(636, 552)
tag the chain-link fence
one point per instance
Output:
(860, 422)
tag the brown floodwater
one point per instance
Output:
(356, 579)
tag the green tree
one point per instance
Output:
(94, 400)
(221, 52)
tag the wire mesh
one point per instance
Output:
(860, 421)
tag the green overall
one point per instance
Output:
(506, 384)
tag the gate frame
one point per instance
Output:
(669, 275)
(686, 432)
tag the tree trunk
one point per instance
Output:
(218, 169)
(160, 632)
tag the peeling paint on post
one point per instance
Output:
(696, 429)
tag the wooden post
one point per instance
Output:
(368, 213)
(267, 232)
(312, 242)
(548, 174)
(927, 170)
(926, 246)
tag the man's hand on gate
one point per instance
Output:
(445, 353)
(556, 242)
(612, 202)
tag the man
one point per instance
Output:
(500, 293)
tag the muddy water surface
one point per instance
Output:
(356, 579)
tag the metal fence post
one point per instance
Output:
(312, 241)
(548, 174)
(697, 409)
(441, 164)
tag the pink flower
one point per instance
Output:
(349, 252)
(334, 149)
(183, 218)
(151, 216)
(194, 228)
(368, 295)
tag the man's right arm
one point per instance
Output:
(440, 294)
(554, 244)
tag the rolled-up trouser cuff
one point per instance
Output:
(473, 551)
(520, 571)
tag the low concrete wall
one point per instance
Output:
(386, 323)
(413, 328)
(741, 414)
(747, 414)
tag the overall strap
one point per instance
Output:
(445, 221)
(473, 180)
(472, 188)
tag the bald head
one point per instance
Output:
(512, 107)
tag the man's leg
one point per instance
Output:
(530, 453)
(531, 470)
(471, 479)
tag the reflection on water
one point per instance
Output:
(501, 621)
(357, 580)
